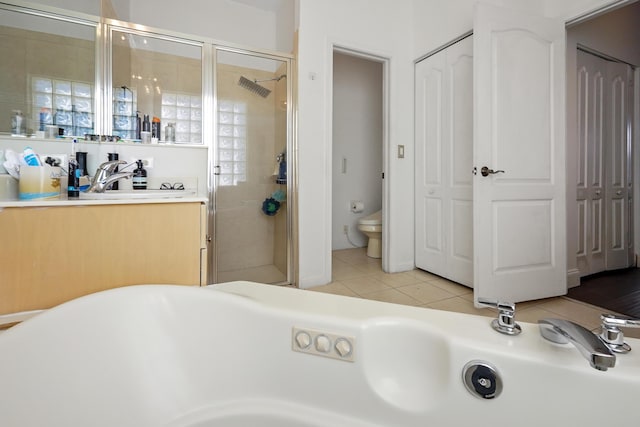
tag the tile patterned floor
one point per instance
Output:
(356, 275)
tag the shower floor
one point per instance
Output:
(262, 274)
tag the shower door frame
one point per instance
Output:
(211, 81)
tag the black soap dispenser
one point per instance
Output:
(140, 177)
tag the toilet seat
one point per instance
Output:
(372, 220)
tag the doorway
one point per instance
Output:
(252, 169)
(601, 181)
(357, 149)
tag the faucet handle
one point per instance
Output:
(111, 165)
(506, 321)
(611, 333)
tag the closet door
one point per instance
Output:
(618, 175)
(604, 181)
(444, 153)
(591, 189)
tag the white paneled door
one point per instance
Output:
(604, 181)
(444, 160)
(519, 155)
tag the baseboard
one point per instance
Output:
(400, 267)
(573, 278)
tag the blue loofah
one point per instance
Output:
(270, 206)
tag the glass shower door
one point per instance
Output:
(250, 214)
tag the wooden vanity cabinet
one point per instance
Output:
(50, 255)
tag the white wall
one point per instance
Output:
(285, 26)
(377, 27)
(221, 20)
(120, 9)
(616, 33)
(571, 9)
(91, 7)
(357, 138)
(437, 22)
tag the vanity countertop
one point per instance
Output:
(63, 201)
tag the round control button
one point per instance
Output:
(323, 344)
(343, 347)
(303, 339)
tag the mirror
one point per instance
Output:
(157, 88)
(47, 74)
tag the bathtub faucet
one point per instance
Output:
(611, 333)
(105, 176)
(590, 345)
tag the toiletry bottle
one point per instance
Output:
(170, 133)
(155, 127)
(73, 186)
(140, 177)
(18, 124)
(31, 158)
(146, 125)
(43, 119)
(111, 157)
(138, 127)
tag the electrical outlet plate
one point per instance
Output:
(147, 162)
(60, 158)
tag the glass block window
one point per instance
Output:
(67, 104)
(124, 112)
(185, 111)
(232, 142)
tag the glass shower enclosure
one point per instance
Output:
(251, 215)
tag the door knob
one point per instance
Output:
(485, 171)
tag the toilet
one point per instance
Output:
(371, 225)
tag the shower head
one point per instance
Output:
(253, 87)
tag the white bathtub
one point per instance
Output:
(224, 356)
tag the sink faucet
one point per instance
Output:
(590, 345)
(105, 176)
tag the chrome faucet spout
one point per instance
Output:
(589, 344)
(117, 177)
(105, 176)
